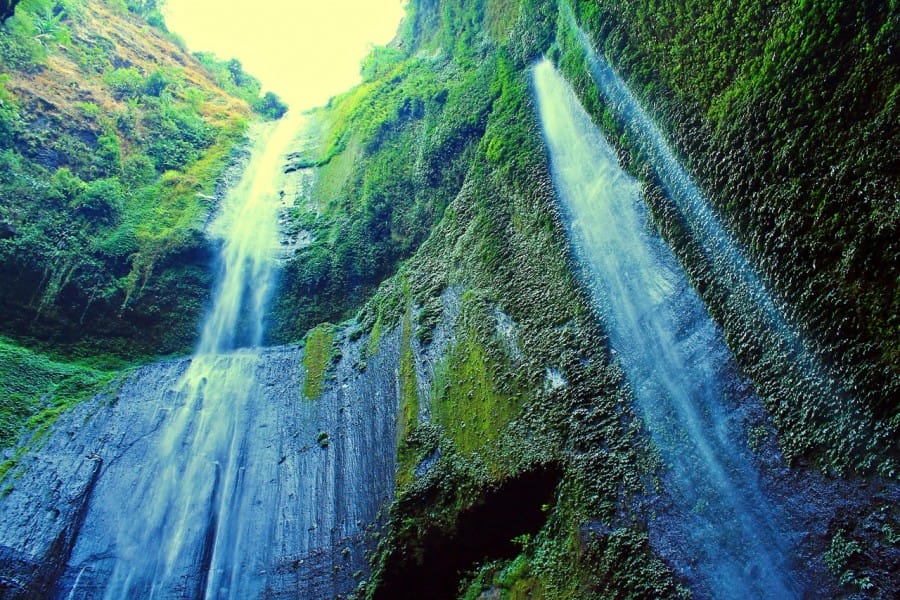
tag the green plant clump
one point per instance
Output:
(317, 357)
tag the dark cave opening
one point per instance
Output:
(433, 564)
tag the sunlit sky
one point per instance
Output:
(303, 50)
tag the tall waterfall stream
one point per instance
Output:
(214, 476)
(680, 371)
(200, 491)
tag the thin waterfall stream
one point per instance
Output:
(722, 531)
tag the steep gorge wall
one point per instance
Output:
(528, 395)
(783, 114)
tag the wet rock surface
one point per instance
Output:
(314, 506)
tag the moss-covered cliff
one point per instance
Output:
(770, 128)
(425, 218)
(519, 453)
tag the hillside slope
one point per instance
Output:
(112, 138)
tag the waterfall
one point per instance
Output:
(721, 529)
(247, 229)
(791, 364)
(188, 513)
(214, 476)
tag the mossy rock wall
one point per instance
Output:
(776, 111)
(526, 387)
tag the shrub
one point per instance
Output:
(125, 83)
(270, 106)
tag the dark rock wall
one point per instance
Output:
(317, 505)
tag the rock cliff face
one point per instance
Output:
(475, 428)
(530, 385)
(317, 474)
(6, 8)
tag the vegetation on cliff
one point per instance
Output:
(525, 416)
(550, 401)
(783, 112)
(112, 139)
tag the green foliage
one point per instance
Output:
(491, 413)
(10, 120)
(125, 82)
(108, 155)
(839, 558)
(20, 44)
(176, 136)
(512, 580)
(508, 142)
(34, 389)
(270, 106)
(231, 76)
(381, 61)
(612, 564)
(317, 357)
(104, 200)
(393, 154)
(157, 82)
(101, 201)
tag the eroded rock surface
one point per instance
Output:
(315, 475)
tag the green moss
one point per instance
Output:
(408, 411)
(468, 402)
(500, 17)
(35, 390)
(317, 357)
(374, 337)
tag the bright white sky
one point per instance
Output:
(303, 50)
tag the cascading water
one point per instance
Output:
(797, 364)
(722, 531)
(215, 476)
(198, 495)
